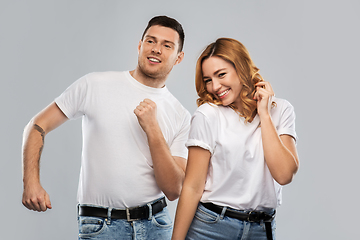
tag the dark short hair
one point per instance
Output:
(168, 22)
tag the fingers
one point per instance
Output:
(144, 106)
(263, 89)
(146, 115)
(37, 202)
(47, 201)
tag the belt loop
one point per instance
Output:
(150, 210)
(223, 212)
(108, 220)
(78, 211)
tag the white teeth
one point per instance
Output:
(223, 93)
(154, 60)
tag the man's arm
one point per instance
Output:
(169, 170)
(34, 196)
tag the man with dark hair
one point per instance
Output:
(134, 133)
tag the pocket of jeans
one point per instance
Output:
(162, 219)
(90, 226)
(205, 215)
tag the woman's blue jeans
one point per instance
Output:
(210, 225)
(156, 227)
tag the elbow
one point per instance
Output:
(172, 196)
(174, 193)
(28, 126)
(287, 175)
(284, 180)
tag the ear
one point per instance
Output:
(180, 57)
(139, 46)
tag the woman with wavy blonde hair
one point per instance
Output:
(241, 150)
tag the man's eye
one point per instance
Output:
(150, 41)
(222, 74)
(167, 46)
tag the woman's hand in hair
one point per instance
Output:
(263, 95)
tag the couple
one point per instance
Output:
(138, 144)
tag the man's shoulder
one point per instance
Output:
(175, 104)
(105, 75)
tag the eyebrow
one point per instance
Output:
(167, 41)
(216, 72)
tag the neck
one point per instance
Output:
(149, 81)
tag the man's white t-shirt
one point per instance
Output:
(238, 176)
(116, 166)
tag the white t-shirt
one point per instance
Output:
(116, 166)
(238, 176)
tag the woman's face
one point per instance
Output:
(222, 81)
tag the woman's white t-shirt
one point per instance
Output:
(238, 176)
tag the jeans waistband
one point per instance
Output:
(130, 214)
(249, 216)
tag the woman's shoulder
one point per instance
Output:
(208, 109)
(282, 103)
(282, 107)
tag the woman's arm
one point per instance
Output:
(279, 151)
(193, 188)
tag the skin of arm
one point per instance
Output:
(169, 170)
(34, 196)
(279, 151)
(193, 188)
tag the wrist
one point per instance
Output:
(31, 182)
(264, 116)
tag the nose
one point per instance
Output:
(156, 49)
(215, 85)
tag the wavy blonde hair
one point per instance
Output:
(235, 53)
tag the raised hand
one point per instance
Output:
(146, 114)
(263, 95)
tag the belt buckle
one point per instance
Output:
(253, 216)
(128, 215)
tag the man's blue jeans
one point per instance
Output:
(156, 227)
(210, 225)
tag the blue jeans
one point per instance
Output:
(210, 225)
(156, 227)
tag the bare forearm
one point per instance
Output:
(33, 143)
(282, 163)
(185, 212)
(168, 174)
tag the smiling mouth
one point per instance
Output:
(223, 93)
(154, 60)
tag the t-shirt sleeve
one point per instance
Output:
(177, 147)
(72, 100)
(201, 133)
(287, 121)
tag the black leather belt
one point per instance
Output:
(131, 214)
(251, 216)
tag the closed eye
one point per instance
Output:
(207, 80)
(221, 75)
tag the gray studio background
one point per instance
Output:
(308, 50)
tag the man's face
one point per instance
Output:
(158, 52)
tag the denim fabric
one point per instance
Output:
(210, 225)
(158, 226)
